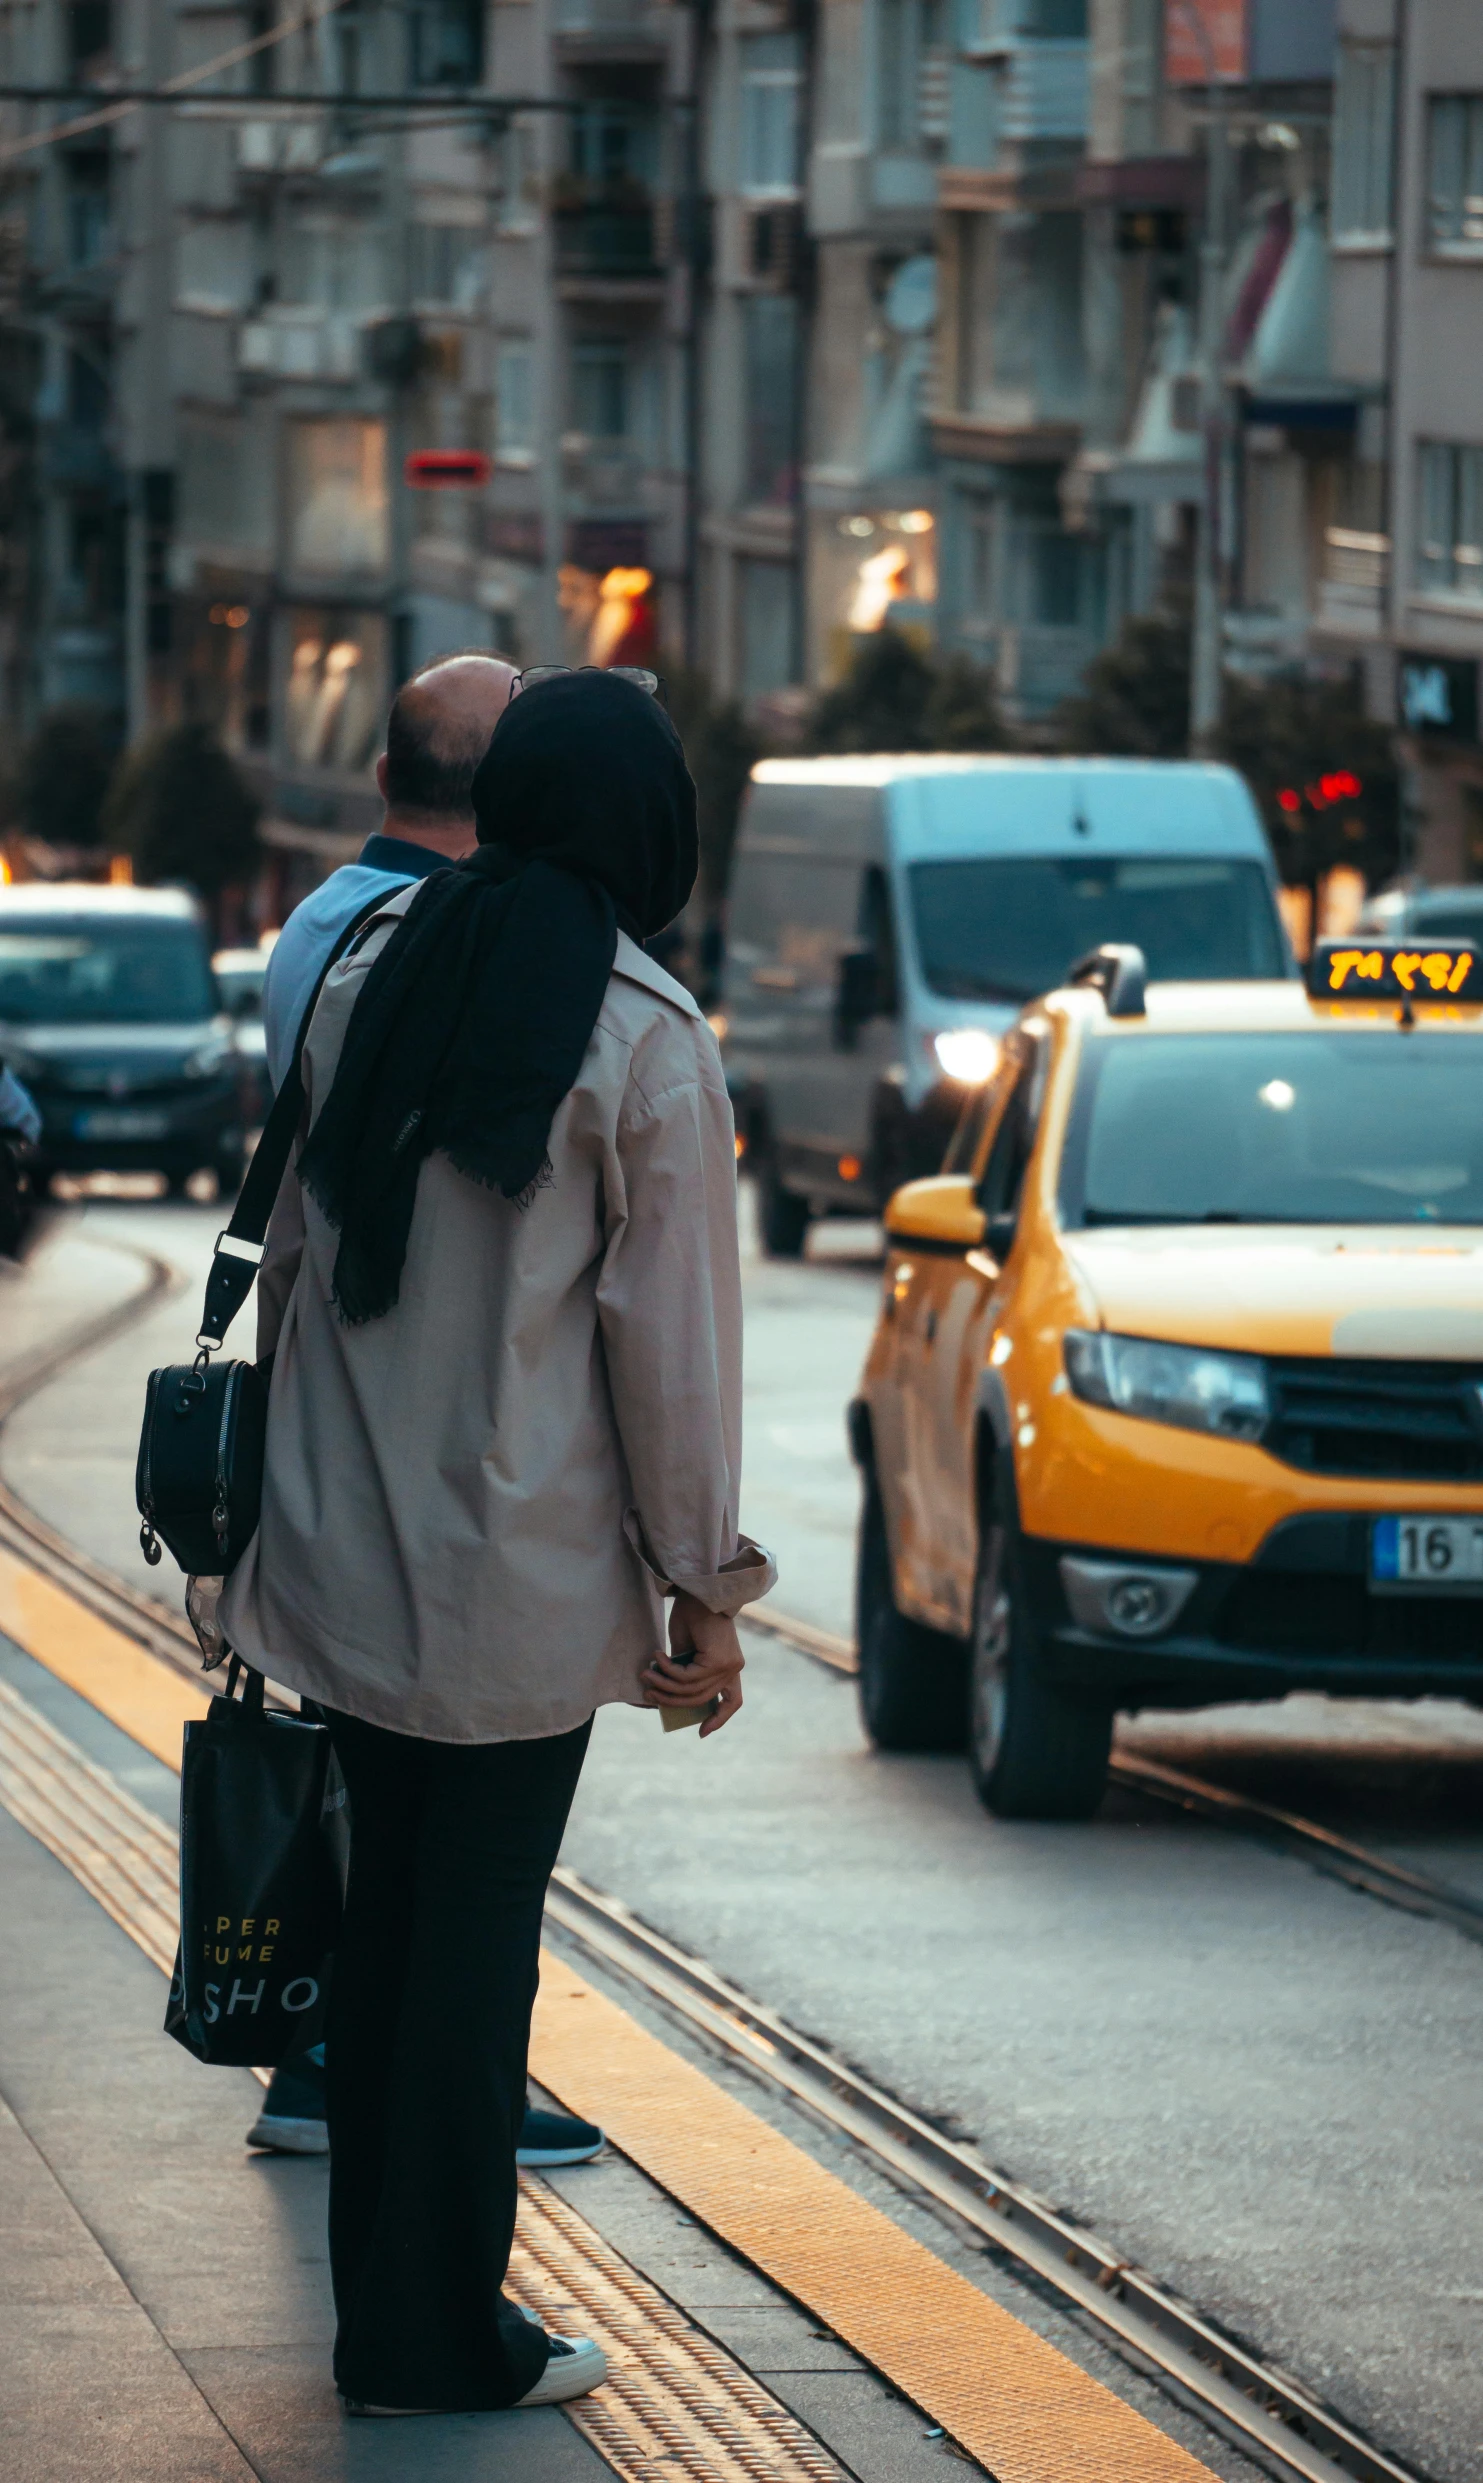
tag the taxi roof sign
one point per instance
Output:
(1357, 968)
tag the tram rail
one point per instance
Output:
(1257, 2406)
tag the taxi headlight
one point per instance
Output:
(1184, 1384)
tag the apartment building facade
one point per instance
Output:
(251, 328)
(1403, 587)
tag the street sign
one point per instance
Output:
(1438, 694)
(446, 469)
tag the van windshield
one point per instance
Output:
(992, 929)
(80, 971)
(1372, 1127)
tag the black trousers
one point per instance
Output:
(429, 2022)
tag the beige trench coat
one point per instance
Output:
(472, 1506)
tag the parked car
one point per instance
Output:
(1174, 1392)
(111, 1016)
(1432, 913)
(240, 974)
(889, 918)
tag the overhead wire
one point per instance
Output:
(305, 20)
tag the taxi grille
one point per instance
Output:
(1414, 1421)
(1273, 1613)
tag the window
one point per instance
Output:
(1455, 171)
(771, 79)
(80, 970)
(767, 626)
(612, 145)
(770, 323)
(518, 206)
(514, 405)
(87, 197)
(225, 496)
(1449, 550)
(337, 501)
(601, 389)
(1274, 1128)
(1364, 132)
(447, 42)
(447, 264)
(331, 262)
(1005, 929)
(333, 703)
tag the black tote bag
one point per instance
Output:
(264, 1839)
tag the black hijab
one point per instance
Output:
(474, 1019)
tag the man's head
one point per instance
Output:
(437, 733)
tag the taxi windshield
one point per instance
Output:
(1370, 1126)
(1007, 928)
(80, 971)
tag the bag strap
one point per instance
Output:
(241, 1248)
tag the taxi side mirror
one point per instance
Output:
(942, 1213)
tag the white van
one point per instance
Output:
(889, 917)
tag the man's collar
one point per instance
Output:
(399, 854)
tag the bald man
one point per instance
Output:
(436, 734)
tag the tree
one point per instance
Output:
(183, 811)
(63, 775)
(1323, 772)
(1134, 698)
(721, 748)
(895, 696)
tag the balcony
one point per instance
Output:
(609, 235)
(1044, 84)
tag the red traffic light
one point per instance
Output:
(446, 469)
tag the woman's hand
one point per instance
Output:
(715, 1669)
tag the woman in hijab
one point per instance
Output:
(502, 1300)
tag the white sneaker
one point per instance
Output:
(576, 2365)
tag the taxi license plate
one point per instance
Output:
(1407, 1553)
(120, 1125)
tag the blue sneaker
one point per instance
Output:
(292, 2121)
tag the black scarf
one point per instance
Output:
(475, 1018)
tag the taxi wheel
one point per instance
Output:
(1035, 1753)
(911, 1677)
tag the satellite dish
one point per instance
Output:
(910, 306)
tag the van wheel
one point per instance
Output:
(1035, 1753)
(913, 1679)
(782, 1215)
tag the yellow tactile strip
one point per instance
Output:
(122, 1854)
(1012, 2401)
(675, 2407)
(672, 2398)
(148, 1700)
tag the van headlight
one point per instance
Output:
(1184, 1384)
(966, 1054)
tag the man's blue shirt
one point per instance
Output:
(385, 864)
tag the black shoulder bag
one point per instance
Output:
(199, 1480)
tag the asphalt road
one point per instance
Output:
(1261, 2085)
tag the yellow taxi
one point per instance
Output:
(1176, 1389)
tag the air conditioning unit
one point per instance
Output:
(257, 146)
(773, 246)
